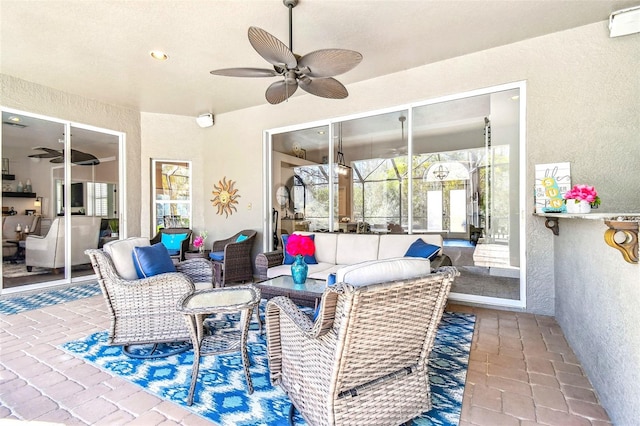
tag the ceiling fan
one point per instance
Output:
(57, 156)
(312, 72)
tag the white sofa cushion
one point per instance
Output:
(121, 255)
(315, 271)
(325, 246)
(324, 274)
(396, 245)
(356, 248)
(378, 271)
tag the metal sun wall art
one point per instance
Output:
(224, 197)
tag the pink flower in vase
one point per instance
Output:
(198, 242)
(583, 193)
(300, 245)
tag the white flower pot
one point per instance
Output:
(580, 207)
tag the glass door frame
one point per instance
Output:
(68, 125)
(268, 196)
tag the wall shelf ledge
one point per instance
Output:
(622, 234)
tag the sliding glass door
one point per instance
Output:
(451, 166)
(61, 191)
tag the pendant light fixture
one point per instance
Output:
(343, 169)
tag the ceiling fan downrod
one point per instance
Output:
(290, 5)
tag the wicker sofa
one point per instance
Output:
(335, 250)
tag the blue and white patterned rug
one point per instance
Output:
(221, 388)
(35, 300)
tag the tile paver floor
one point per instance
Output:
(521, 372)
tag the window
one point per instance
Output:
(171, 194)
(98, 196)
(451, 166)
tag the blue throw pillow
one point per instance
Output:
(152, 260)
(241, 238)
(172, 241)
(289, 259)
(217, 255)
(421, 249)
(331, 280)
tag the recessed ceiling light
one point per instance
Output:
(14, 119)
(321, 132)
(159, 55)
(515, 98)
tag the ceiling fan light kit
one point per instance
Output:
(312, 72)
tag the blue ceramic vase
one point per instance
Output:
(299, 270)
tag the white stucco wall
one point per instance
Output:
(170, 137)
(597, 295)
(29, 97)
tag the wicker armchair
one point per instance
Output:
(143, 311)
(184, 246)
(364, 360)
(236, 264)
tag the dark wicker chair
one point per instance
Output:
(184, 246)
(364, 360)
(236, 264)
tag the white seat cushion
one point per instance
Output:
(396, 245)
(121, 255)
(379, 271)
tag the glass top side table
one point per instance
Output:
(198, 305)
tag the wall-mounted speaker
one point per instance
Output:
(205, 120)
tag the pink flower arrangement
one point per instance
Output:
(583, 193)
(300, 245)
(199, 240)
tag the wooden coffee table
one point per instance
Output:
(307, 294)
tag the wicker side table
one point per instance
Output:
(202, 303)
(196, 254)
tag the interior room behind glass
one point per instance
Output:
(449, 167)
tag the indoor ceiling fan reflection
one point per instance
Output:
(57, 156)
(312, 72)
(400, 149)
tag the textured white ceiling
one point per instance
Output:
(100, 49)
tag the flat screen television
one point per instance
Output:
(77, 195)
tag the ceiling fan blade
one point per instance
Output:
(245, 72)
(48, 153)
(280, 91)
(83, 159)
(57, 160)
(324, 87)
(328, 62)
(271, 49)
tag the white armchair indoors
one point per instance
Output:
(48, 251)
